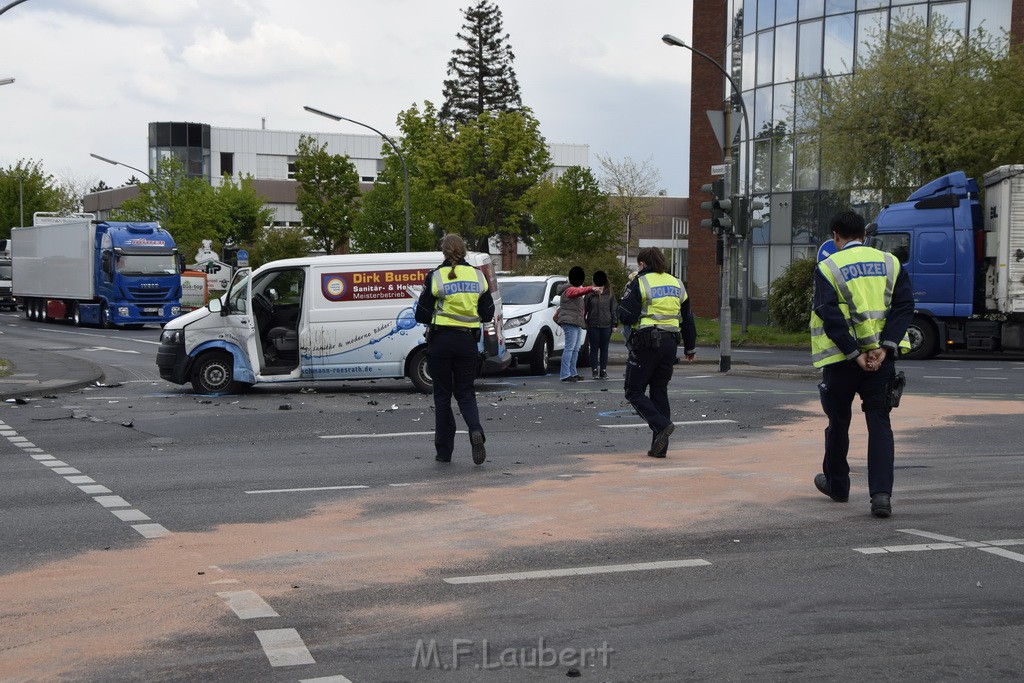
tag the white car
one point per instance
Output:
(531, 336)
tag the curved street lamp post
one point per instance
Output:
(163, 203)
(401, 158)
(726, 311)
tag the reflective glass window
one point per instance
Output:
(765, 13)
(806, 162)
(762, 112)
(807, 228)
(762, 164)
(910, 13)
(785, 11)
(810, 9)
(809, 50)
(871, 4)
(991, 15)
(871, 30)
(782, 163)
(807, 99)
(783, 108)
(838, 54)
(749, 52)
(758, 272)
(785, 53)
(955, 14)
(765, 55)
(839, 6)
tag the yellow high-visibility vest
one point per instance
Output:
(662, 296)
(457, 298)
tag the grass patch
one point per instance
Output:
(5, 368)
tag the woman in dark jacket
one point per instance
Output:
(571, 320)
(602, 316)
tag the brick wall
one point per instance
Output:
(707, 93)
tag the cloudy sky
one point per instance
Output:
(91, 74)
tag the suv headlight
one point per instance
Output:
(172, 337)
(516, 322)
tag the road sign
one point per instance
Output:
(719, 169)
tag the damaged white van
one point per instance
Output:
(343, 317)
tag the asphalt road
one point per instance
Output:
(306, 533)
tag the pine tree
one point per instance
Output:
(481, 77)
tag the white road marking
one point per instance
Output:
(1012, 541)
(315, 488)
(81, 479)
(928, 534)
(6, 432)
(54, 463)
(130, 515)
(284, 647)
(941, 377)
(42, 456)
(112, 501)
(660, 470)
(577, 571)
(382, 436)
(221, 581)
(247, 604)
(16, 439)
(94, 488)
(151, 530)
(107, 348)
(326, 679)
(1008, 554)
(677, 424)
(67, 470)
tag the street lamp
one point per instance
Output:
(6, 81)
(726, 313)
(405, 171)
(163, 204)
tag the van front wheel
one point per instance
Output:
(212, 374)
(419, 373)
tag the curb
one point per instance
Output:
(96, 375)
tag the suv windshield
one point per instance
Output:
(518, 293)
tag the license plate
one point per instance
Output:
(152, 310)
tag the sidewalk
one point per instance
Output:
(42, 373)
(708, 360)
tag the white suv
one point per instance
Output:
(530, 333)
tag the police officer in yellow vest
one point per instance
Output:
(863, 303)
(655, 303)
(455, 300)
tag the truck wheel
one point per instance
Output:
(212, 373)
(104, 316)
(924, 340)
(30, 309)
(418, 372)
(76, 314)
(541, 355)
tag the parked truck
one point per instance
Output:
(96, 272)
(7, 299)
(965, 259)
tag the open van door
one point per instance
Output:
(240, 323)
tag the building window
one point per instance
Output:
(291, 168)
(680, 227)
(809, 50)
(839, 44)
(765, 52)
(227, 163)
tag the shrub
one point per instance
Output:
(789, 303)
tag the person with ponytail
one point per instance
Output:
(602, 310)
(455, 300)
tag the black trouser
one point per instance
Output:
(600, 337)
(840, 383)
(452, 359)
(652, 368)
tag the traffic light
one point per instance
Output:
(720, 207)
(744, 210)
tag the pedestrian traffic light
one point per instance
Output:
(719, 206)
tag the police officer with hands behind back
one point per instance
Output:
(657, 307)
(454, 301)
(863, 303)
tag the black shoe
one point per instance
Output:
(881, 505)
(443, 458)
(653, 454)
(579, 378)
(604, 374)
(595, 374)
(570, 379)
(479, 453)
(821, 483)
(660, 442)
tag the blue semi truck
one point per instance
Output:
(965, 257)
(103, 273)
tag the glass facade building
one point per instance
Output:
(778, 48)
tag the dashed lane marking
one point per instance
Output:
(247, 604)
(284, 647)
(577, 571)
(326, 679)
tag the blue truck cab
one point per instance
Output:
(139, 275)
(949, 244)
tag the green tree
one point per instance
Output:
(481, 77)
(26, 188)
(189, 208)
(270, 244)
(246, 209)
(99, 187)
(789, 301)
(573, 217)
(923, 102)
(328, 195)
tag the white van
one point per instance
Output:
(318, 318)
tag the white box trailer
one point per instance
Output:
(344, 317)
(55, 260)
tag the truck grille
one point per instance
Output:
(145, 294)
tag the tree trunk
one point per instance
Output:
(509, 252)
